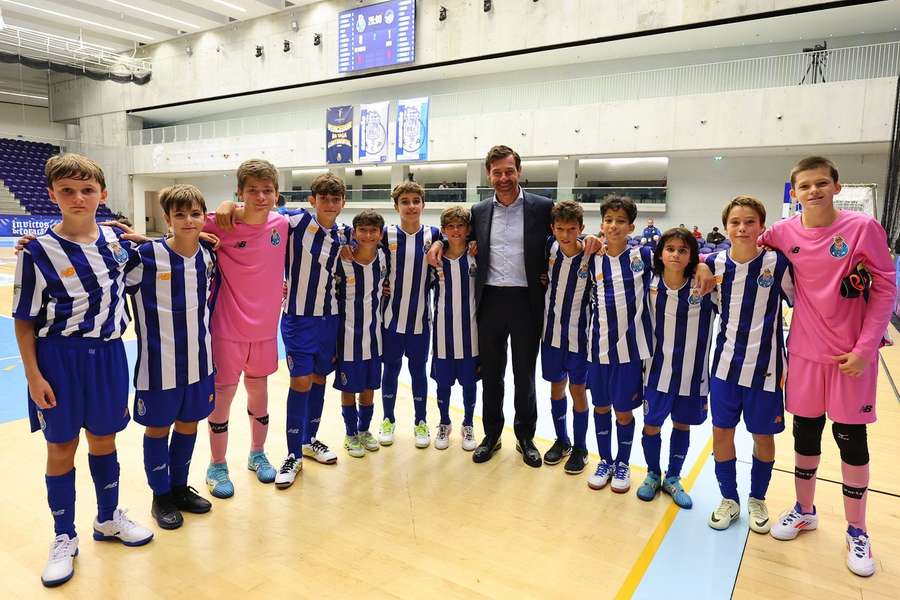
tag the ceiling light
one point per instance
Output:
(295, 25)
(23, 95)
(79, 19)
(154, 14)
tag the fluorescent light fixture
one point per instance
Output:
(229, 5)
(79, 19)
(23, 95)
(153, 14)
(3, 23)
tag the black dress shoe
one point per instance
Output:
(187, 499)
(530, 454)
(165, 512)
(558, 451)
(486, 449)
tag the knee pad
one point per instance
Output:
(218, 427)
(853, 443)
(808, 435)
(263, 420)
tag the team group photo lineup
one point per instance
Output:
(501, 377)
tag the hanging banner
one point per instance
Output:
(339, 135)
(373, 132)
(17, 226)
(412, 129)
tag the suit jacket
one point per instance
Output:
(537, 228)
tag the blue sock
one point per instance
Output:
(469, 393)
(105, 473)
(760, 474)
(314, 404)
(181, 449)
(156, 465)
(389, 375)
(365, 416)
(61, 498)
(726, 474)
(652, 445)
(351, 419)
(443, 398)
(558, 411)
(624, 438)
(679, 442)
(603, 429)
(419, 382)
(579, 428)
(297, 403)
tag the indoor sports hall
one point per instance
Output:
(680, 105)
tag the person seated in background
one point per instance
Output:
(651, 233)
(715, 237)
(697, 234)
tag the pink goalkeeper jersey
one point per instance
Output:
(251, 267)
(824, 323)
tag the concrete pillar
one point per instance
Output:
(285, 180)
(139, 218)
(399, 174)
(475, 178)
(565, 178)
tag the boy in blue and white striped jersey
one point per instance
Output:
(564, 343)
(406, 312)
(359, 286)
(171, 284)
(677, 376)
(455, 356)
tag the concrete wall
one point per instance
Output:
(29, 122)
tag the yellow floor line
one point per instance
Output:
(640, 566)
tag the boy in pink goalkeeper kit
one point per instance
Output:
(836, 330)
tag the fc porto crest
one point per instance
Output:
(426, 246)
(119, 253)
(41, 421)
(275, 238)
(141, 407)
(290, 362)
(583, 271)
(473, 270)
(839, 247)
(637, 264)
(765, 279)
(343, 378)
(695, 298)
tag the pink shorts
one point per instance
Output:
(254, 359)
(814, 389)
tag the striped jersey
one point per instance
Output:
(567, 300)
(620, 328)
(407, 309)
(359, 290)
(73, 289)
(172, 300)
(455, 332)
(682, 334)
(310, 265)
(750, 343)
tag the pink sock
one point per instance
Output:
(258, 410)
(218, 422)
(856, 482)
(805, 480)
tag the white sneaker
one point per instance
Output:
(319, 452)
(61, 564)
(123, 529)
(423, 436)
(601, 476)
(621, 479)
(386, 433)
(288, 471)
(368, 441)
(792, 522)
(859, 553)
(759, 515)
(727, 513)
(442, 437)
(468, 438)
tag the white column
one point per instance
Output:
(566, 178)
(475, 177)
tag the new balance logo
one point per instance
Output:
(866, 409)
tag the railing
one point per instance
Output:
(586, 195)
(839, 64)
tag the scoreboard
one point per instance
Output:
(378, 35)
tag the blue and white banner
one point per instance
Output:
(19, 225)
(373, 132)
(412, 129)
(339, 135)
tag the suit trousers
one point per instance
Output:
(505, 313)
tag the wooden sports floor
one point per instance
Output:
(408, 523)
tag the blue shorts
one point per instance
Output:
(358, 375)
(557, 364)
(414, 345)
(447, 371)
(189, 403)
(617, 385)
(763, 411)
(89, 378)
(310, 343)
(689, 410)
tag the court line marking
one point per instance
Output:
(889, 376)
(640, 566)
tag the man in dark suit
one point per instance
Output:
(511, 231)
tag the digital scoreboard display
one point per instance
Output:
(379, 35)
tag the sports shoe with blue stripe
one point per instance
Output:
(672, 486)
(217, 480)
(265, 472)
